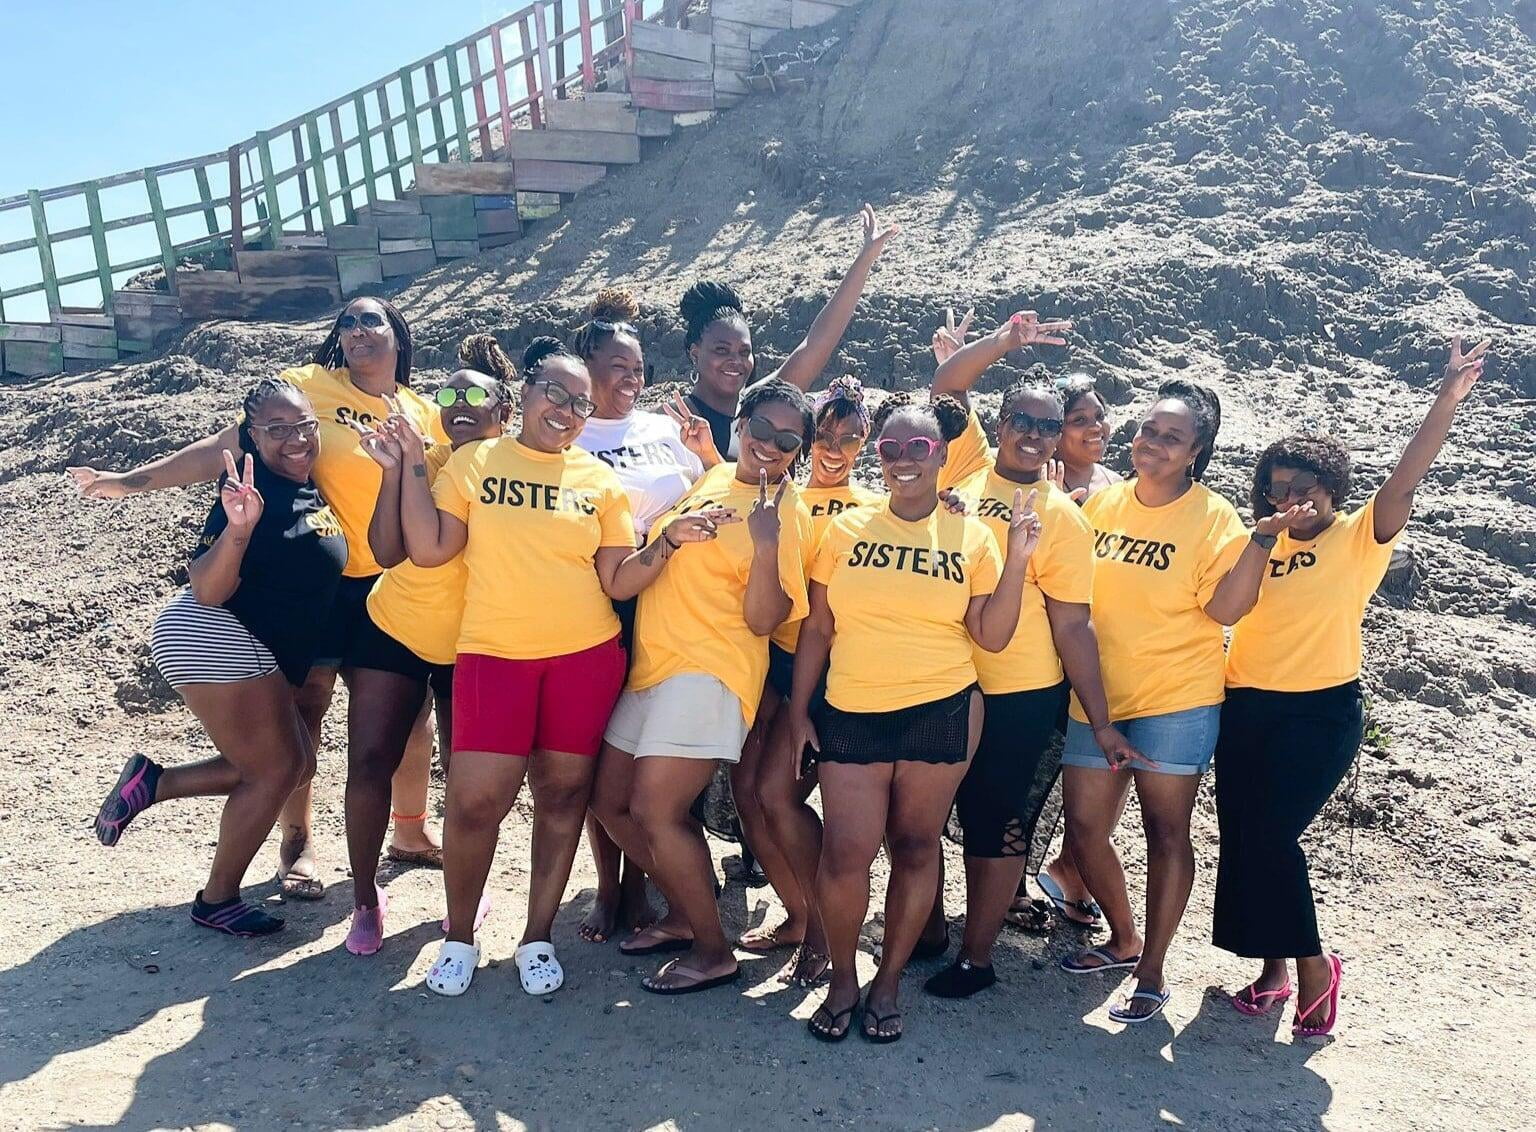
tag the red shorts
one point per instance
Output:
(556, 703)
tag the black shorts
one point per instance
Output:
(348, 613)
(781, 674)
(996, 802)
(936, 732)
(373, 648)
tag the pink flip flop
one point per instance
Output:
(1259, 1002)
(1331, 996)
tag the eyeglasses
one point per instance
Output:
(616, 327)
(849, 443)
(917, 448)
(1027, 422)
(786, 439)
(368, 320)
(307, 429)
(559, 396)
(1297, 487)
(474, 396)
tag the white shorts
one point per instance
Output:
(688, 716)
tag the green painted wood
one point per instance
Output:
(205, 194)
(269, 189)
(364, 146)
(437, 110)
(344, 189)
(412, 127)
(99, 243)
(162, 230)
(44, 250)
(317, 169)
(390, 152)
(306, 213)
(456, 96)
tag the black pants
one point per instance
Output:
(1000, 798)
(1278, 759)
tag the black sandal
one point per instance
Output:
(829, 1033)
(877, 1038)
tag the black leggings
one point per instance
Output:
(1278, 759)
(1000, 799)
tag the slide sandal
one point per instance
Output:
(651, 984)
(538, 969)
(455, 967)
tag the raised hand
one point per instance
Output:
(413, 449)
(953, 502)
(92, 484)
(1285, 520)
(694, 430)
(1026, 329)
(1118, 751)
(1023, 525)
(1056, 472)
(949, 337)
(381, 444)
(1463, 370)
(700, 526)
(763, 520)
(875, 235)
(242, 502)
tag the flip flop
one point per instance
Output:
(1259, 1002)
(538, 969)
(454, 968)
(651, 985)
(828, 1035)
(1119, 1014)
(1058, 898)
(771, 943)
(1034, 917)
(1108, 961)
(877, 1038)
(669, 943)
(1331, 996)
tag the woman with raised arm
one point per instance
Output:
(701, 658)
(406, 649)
(903, 577)
(237, 644)
(1294, 716)
(719, 341)
(657, 457)
(1172, 565)
(359, 375)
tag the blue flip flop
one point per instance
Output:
(1058, 898)
(1107, 961)
(1119, 1014)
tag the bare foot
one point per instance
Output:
(601, 920)
(636, 912)
(415, 837)
(761, 940)
(806, 967)
(297, 869)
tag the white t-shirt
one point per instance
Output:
(646, 452)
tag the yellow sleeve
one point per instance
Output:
(1223, 547)
(437, 460)
(1063, 566)
(986, 562)
(615, 519)
(968, 454)
(792, 561)
(448, 488)
(825, 560)
(300, 376)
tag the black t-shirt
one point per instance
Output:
(290, 571)
(722, 426)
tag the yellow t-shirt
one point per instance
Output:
(536, 521)
(969, 455)
(1061, 568)
(899, 591)
(692, 617)
(421, 606)
(345, 474)
(824, 504)
(1304, 633)
(1154, 570)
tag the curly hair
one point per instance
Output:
(1205, 407)
(946, 412)
(611, 313)
(1074, 387)
(1323, 456)
(774, 391)
(330, 354)
(483, 354)
(706, 303)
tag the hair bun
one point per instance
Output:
(953, 417)
(614, 304)
(542, 347)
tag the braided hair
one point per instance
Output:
(1323, 456)
(256, 396)
(946, 412)
(539, 351)
(1031, 385)
(773, 390)
(706, 303)
(330, 354)
(1205, 408)
(483, 354)
(611, 313)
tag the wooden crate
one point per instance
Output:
(586, 114)
(558, 176)
(656, 94)
(591, 147)
(476, 177)
(653, 39)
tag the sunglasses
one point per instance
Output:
(1298, 487)
(616, 327)
(848, 444)
(1028, 422)
(308, 429)
(560, 397)
(786, 440)
(368, 320)
(474, 396)
(918, 448)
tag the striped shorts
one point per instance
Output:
(205, 644)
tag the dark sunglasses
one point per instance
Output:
(1027, 422)
(616, 327)
(1298, 487)
(849, 443)
(786, 440)
(368, 320)
(474, 396)
(560, 397)
(917, 448)
(308, 428)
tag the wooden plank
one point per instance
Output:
(455, 249)
(412, 126)
(288, 243)
(809, 13)
(456, 97)
(454, 227)
(357, 271)
(306, 204)
(733, 58)
(211, 294)
(546, 78)
(477, 89)
(557, 176)
(406, 207)
(478, 177)
(499, 240)
(653, 39)
(269, 188)
(501, 86)
(494, 223)
(82, 316)
(205, 194)
(162, 230)
(389, 139)
(498, 201)
(306, 263)
(438, 128)
(134, 346)
(730, 33)
(414, 244)
(654, 124)
(408, 263)
(584, 114)
(758, 13)
(44, 249)
(99, 242)
(354, 237)
(88, 336)
(451, 205)
(665, 67)
(149, 330)
(140, 298)
(403, 227)
(334, 117)
(731, 82)
(364, 148)
(317, 168)
(34, 359)
(656, 94)
(530, 77)
(590, 146)
(588, 66)
(30, 332)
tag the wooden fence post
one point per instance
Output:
(477, 81)
(535, 119)
(343, 177)
(99, 242)
(546, 78)
(205, 194)
(501, 83)
(412, 127)
(364, 145)
(162, 229)
(389, 140)
(44, 250)
(588, 68)
(317, 165)
(631, 15)
(269, 188)
(456, 96)
(236, 221)
(437, 111)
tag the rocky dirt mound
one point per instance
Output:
(1297, 201)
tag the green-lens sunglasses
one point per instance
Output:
(474, 396)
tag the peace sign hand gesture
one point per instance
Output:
(242, 502)
(949, 338)
(763, 520)
(694, 430)
(1463, 370)
(1023, 526)
(1284, 520)
(700, 526)
(1056, 472)
(875, 236)
(1026, 329)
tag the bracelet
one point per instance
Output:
(666, 538)
(1265, 541)
(409, 818)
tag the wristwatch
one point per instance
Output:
(1265, 541)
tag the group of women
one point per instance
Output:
(611, 603)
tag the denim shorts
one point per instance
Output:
(1181, 742)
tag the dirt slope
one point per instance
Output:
(1297, 201)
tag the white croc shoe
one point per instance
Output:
(454, 968)
(538, 968)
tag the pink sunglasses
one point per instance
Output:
(917, 448)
